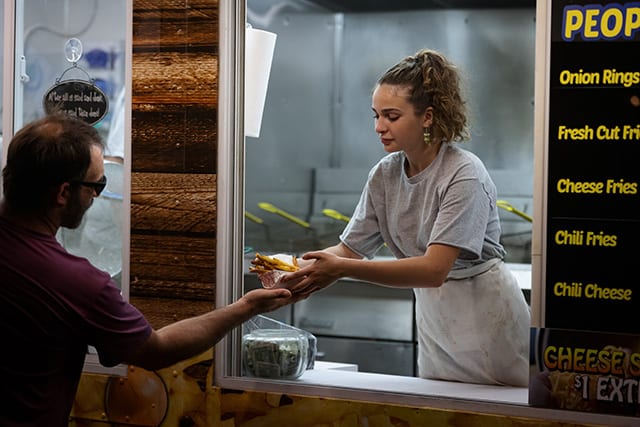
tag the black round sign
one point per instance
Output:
(77, 98)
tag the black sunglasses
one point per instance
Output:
(97, 186)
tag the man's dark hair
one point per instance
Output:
(44, 154)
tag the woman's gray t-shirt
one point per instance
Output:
(451, 202)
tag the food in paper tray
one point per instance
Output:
(270, 269)
(276, 262)
(275, 353)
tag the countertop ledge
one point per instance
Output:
(347, 384)
(416, 386)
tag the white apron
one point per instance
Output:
(474, 330)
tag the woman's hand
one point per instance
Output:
(323, 271)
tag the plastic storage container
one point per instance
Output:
(275, 353)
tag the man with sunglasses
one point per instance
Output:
(54, 304)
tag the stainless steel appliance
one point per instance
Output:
(358, 322)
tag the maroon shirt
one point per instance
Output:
(52, 305)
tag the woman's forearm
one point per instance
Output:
(426, 271)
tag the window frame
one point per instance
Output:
(353, 386)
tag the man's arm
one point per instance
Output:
(193, 336)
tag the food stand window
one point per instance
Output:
(233, 203)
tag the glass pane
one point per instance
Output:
(59, 41)
(318, 106)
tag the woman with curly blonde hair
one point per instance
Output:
(434, 205)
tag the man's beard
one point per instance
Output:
(72, 217)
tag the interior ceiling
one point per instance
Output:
(398, 5)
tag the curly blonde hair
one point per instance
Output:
(433, 82)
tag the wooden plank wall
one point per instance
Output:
(173, 211)
(173, 176)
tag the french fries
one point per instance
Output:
(264, 263)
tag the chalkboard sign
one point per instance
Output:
(77, 98)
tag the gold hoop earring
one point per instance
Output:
(426, 136)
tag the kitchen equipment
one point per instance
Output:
(332, 213)
(253, 217)
(503, 204)
(273, 209)
(260, 222)
(364, 324)
(285, 239)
